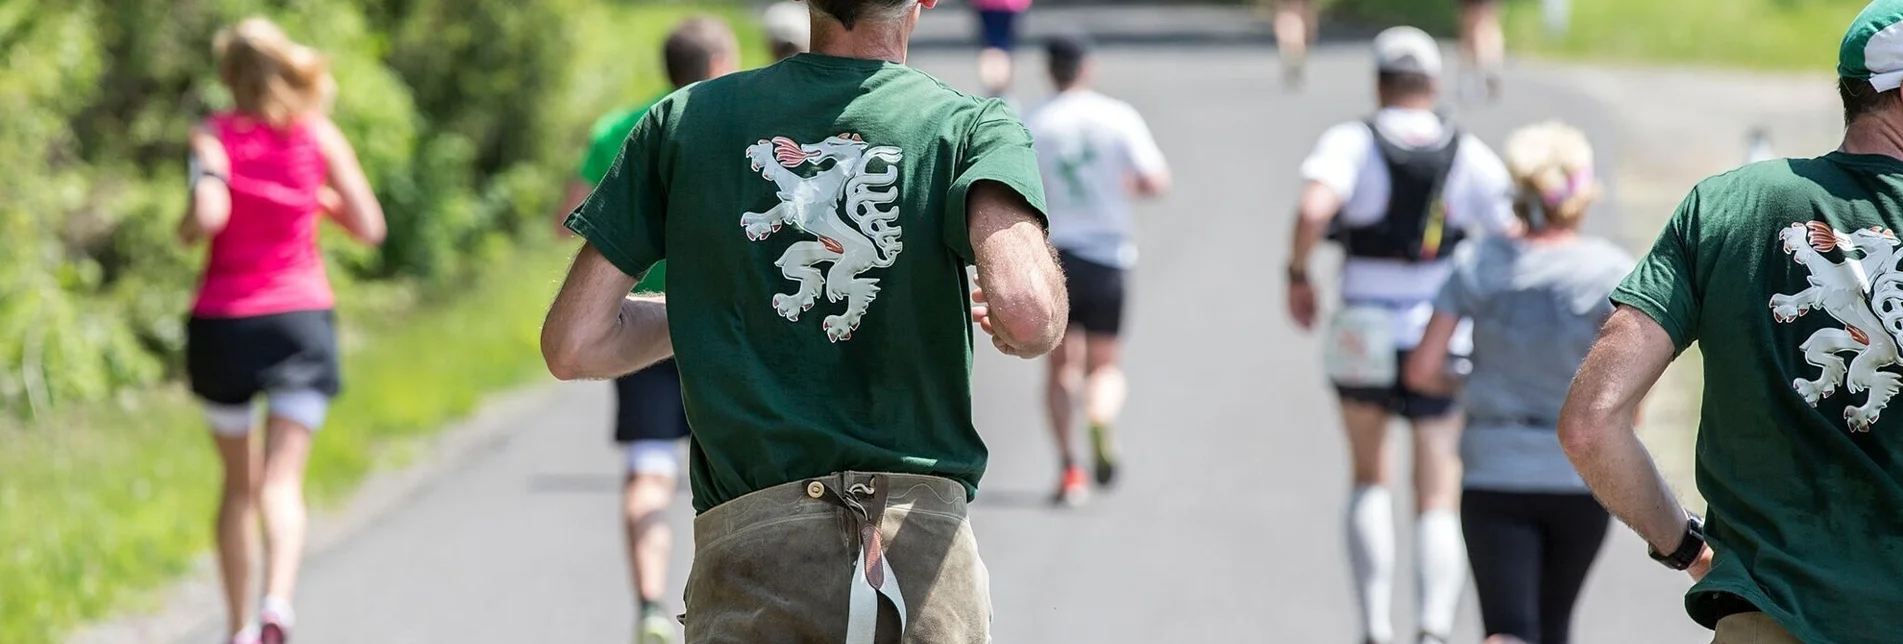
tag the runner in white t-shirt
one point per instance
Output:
(1398, 190)
(1094, 151)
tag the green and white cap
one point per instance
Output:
(1873, 47)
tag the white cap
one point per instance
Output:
(788, 22)
(1406, 49)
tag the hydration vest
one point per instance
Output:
(1414, 226)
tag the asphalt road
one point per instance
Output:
(1227, 526)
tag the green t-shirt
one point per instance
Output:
(1773, 269)
(604, 145)
(813, 213)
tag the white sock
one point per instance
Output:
(1442, 555)
(1371, 551)
(279, 607)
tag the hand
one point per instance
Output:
(981, 315)
(1700, 566)
(1301, 304)
(329, 202)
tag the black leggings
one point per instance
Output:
(1530, 554)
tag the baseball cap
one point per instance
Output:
(1409, 50)
(788, 22)
(1873, 47)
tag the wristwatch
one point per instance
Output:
(1297, 275)
(1688, 549)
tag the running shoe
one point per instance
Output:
(1073, 489)
(249, 635)
(654, 628)
(276, 618)
(1103, 441)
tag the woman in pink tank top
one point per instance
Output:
(263, 176)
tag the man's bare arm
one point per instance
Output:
(1023, 287)
(1317, 207)
(596, 330)
(1426, 368)
(1596, 427)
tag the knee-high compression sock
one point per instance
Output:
(1371, 551)
(1442, 558)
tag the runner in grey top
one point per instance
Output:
(1536, 308)
(1531, 527)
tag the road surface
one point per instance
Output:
(1226, 527)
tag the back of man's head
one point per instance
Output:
(851, 12)
(1067, 54)
(1407, 62)
(696, 47)
(1870, 61)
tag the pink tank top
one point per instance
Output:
(1017, 6)
(266, 261)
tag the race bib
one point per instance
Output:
(1361, 349)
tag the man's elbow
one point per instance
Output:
(560, 355)
(1582, 431)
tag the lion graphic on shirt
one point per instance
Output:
(1865, 295)
(840, 191)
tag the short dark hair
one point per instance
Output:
(848, 12)
(690, 49)
(1861, 98)
(1405, 83)
(1066, 55)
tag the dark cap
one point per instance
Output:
(1069, 47)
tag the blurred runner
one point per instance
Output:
(649, 417)
(1295, 27)
(1094, 151)
(1536, 303)
(1482, 45)
(1785, 273)
(789, 29)
(262, 175)
(998, 31)
(1399, 189)
(825, 427)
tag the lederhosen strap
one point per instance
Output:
(864, 497)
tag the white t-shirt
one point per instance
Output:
(1088, 147)
(1477, 196)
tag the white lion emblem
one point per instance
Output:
(1865, 294)
(863, 235)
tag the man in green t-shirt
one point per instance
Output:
(649, 418)
(1787, 273)
(818, 217)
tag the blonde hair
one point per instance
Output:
(1552, 168)
(270, 76)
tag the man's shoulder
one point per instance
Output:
(1762, 183)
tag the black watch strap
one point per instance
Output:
(1692, 545)
(1297, 275)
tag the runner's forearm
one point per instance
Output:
(1024, 288)
(1318, 206)
(595, 330)
(1596, 427)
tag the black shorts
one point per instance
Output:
(648, 405)
(1096, 293)
(999, 29)
(1399, 399)
(232, 360)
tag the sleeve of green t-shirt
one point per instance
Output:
(1664, 283)
(997, 148)
(625, 216)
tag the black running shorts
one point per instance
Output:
(648, 405)
(232, 360)
(1096, 294)
(1398, 399)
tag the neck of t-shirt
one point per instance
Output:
(839, 62)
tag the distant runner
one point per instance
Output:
(1536, 303)
(1785, 273)
(998, 35)
(817, 217)
(1482, 46)
(649, 417)
(262, 175)
(1094, 152)
(1400, 189)
(1295, 27)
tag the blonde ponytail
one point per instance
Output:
(271, 77)
(1552, 168)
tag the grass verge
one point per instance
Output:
(1756, 34)
(97, 504)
